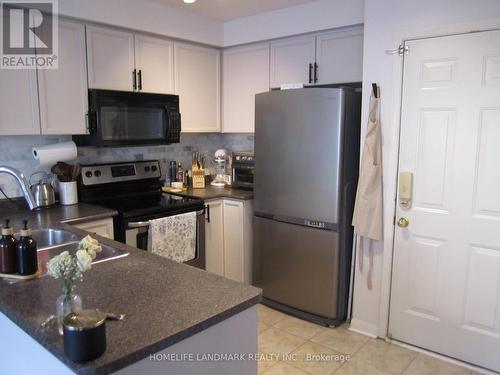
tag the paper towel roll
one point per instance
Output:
(50, 154)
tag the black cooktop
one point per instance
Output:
(152, 204)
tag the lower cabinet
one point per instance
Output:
(229, 239)
(102, 227)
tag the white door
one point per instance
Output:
(339, 55)
(110, 58)
(63, 91)
(197, 82)
(245, 73)
(291, 60)
(154, 60)
(214, 238)
(446, 276)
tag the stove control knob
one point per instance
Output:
(97, 173)
(88, 174)
(153, 168)
(146, 168)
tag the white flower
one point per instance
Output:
(90, 245)
(83, 260)
(60, 265)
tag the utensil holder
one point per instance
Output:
(68, 193)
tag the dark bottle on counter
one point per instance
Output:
(8, 263)
(180, 173)
(173, 171)
(27, 261)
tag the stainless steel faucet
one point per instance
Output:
(24, 184)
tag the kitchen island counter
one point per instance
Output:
(165, 302)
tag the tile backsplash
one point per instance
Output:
(15, 151)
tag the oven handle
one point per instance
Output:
(140, 224)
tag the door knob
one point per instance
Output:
(403, 222)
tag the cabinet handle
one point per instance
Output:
(315, 72)
(139, 74)
(134, 79)
(310, 72)
(207, 208)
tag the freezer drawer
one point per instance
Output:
(297, 266)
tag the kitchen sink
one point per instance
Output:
(52, 242)
(107, 253)
(52, 237)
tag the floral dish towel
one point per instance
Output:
(173, 237)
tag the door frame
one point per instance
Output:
(391, 179)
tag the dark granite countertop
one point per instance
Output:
(50, 216)
(211, 192)
(165, 302)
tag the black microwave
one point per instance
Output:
(121, 118)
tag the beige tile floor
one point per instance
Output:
(291, 346)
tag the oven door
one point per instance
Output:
(136, 235)
(126, 118)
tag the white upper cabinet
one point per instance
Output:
(18, 102)
(339, 55)
(245, 73)
(63, 91)
(197, 82)
(291, 60)
(18, 99)
(154, 61)
(110, 58)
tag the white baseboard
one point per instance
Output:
(364, 328)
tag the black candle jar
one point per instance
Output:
(84, 335)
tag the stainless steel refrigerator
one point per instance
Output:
(306, 170)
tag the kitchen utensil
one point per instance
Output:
(75, 172)
(84, 335)
(63, 171)
(44, 194)
(113, 316)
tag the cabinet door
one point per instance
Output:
(233, 240)
(290, 59)
(245, 73)
(339, 55)
(18, 102)
(110, 58)
(154, 59)
(63, 91)
(214, 238)
(18, 98)
(197, 82)
(102, 227)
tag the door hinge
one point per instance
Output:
(401, 50)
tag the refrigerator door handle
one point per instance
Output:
(318, 224)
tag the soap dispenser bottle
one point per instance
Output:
(27, 261)
(8, 263)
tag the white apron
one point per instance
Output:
(367, 216)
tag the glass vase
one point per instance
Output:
(67, 303)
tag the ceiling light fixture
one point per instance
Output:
(189, 1)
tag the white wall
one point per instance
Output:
(387, 23)
(146, 16)
(313, 16)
